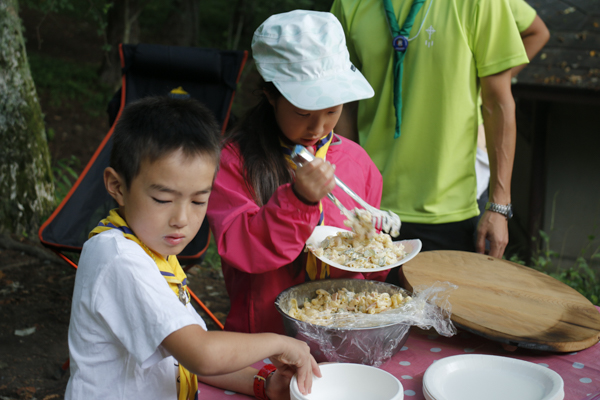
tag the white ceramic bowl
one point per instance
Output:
(343, 381)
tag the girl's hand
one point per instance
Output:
(298, 359)
(314, 180)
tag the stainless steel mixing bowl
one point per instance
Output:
(365, 345)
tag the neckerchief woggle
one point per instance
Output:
(315, 269)
(173, 273)
(400, 44)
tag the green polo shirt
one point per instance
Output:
(523, 13)
(429, 171)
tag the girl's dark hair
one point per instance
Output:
(153, 127)
(257, 135)
(265, 167)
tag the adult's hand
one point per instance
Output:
(493, 227)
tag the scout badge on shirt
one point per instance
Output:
(315, 269)
(400, 44)
(173, 273)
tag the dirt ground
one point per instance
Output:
(36, 286)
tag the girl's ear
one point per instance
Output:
(115, 185)
(271, 99)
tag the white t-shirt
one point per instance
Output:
(482, 171)
(122, 311)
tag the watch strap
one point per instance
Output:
(260, 381)
(504, 209)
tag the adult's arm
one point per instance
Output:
(534, 39)
(347, 125)
(500, 131)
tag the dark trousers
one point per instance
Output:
(451, 236)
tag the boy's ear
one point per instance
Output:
(114, 184)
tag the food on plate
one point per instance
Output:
(326, 308)
(361, 248)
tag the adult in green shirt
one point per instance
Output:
(534, 35)
(456, 48)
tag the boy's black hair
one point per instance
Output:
(153, 127)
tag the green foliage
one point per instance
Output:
(156, 13)
(581, 276)
(95, 11)
(50, 134)
(64, 176)
(211, 257)
(68, 81)
(47, 6)
(215, 19)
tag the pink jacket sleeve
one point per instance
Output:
(256, 239)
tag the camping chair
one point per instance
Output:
(208, 75)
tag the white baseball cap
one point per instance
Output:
(304, 54)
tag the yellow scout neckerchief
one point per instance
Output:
(315, 269)
(175, 277)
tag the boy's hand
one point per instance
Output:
(314, 180)
(278, 384)
(297, 357)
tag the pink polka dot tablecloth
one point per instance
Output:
(580, 371)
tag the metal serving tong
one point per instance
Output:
(383, 220)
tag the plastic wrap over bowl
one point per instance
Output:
(370, 345)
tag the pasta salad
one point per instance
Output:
(361, 248)
(326, 307)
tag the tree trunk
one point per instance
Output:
(26, 185)
(122, 27)
(241, 30)
(183, 25)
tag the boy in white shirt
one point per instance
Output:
(133, 333)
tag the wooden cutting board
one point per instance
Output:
(508, 302)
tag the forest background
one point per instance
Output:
(71, 49)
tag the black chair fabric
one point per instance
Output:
(208, 75)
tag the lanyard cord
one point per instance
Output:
(422, 22)
(400, 44)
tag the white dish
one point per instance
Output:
(412, 248)
(477, 376)
(345, 381)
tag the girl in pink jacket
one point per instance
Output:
(262, 210)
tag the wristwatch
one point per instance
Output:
(505, 210)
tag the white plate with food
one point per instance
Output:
(410, 248)
(478, 376)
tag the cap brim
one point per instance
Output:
(326, 92)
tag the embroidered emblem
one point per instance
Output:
(431, 31)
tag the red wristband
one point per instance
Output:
(260, 381)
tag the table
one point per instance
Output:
(579, 370)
